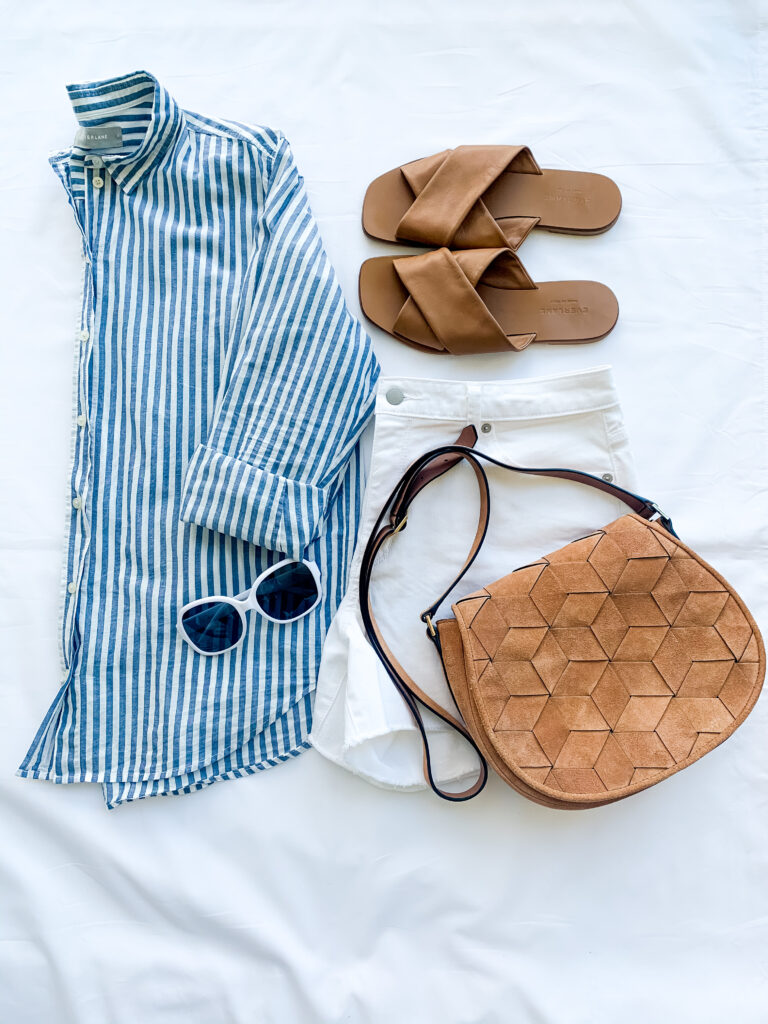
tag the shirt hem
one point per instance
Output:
(49, 775)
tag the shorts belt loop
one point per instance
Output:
(474, 402)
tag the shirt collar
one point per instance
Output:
(115, 96)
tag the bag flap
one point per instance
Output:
(609, 664)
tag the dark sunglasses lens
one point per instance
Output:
(288, 592)
(213, 627)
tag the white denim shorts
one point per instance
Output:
(572, 421)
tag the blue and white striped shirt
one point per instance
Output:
(220, 387)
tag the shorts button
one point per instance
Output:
(395, 396)
(486, 428)
(608, 477)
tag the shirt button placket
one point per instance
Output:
(98, 174)
(84, 334)
(80, 473)
(78, 522)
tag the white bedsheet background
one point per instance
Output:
(304, 895)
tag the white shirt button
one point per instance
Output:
(81, 420)
(98, 182)
(71, 588)
(85, 334)
(76, 502)
(96, 161)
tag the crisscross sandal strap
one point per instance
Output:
(448, 209)
(443, 310)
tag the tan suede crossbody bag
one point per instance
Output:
(590, 674)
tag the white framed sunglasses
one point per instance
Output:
(284, 592)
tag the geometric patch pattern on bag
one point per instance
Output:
(610, 663)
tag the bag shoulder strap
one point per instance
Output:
(393, 518)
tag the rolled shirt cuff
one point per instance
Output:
(233, 497)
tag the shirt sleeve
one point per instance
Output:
(299, 391)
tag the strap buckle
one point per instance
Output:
(400, 525)
(664, 519)
(662, 515)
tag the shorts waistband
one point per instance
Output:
(563, 394)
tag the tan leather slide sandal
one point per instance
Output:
(478, 196)
(479, 300)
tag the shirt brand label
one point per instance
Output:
(107, 136)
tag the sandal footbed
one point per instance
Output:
(574, 202)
